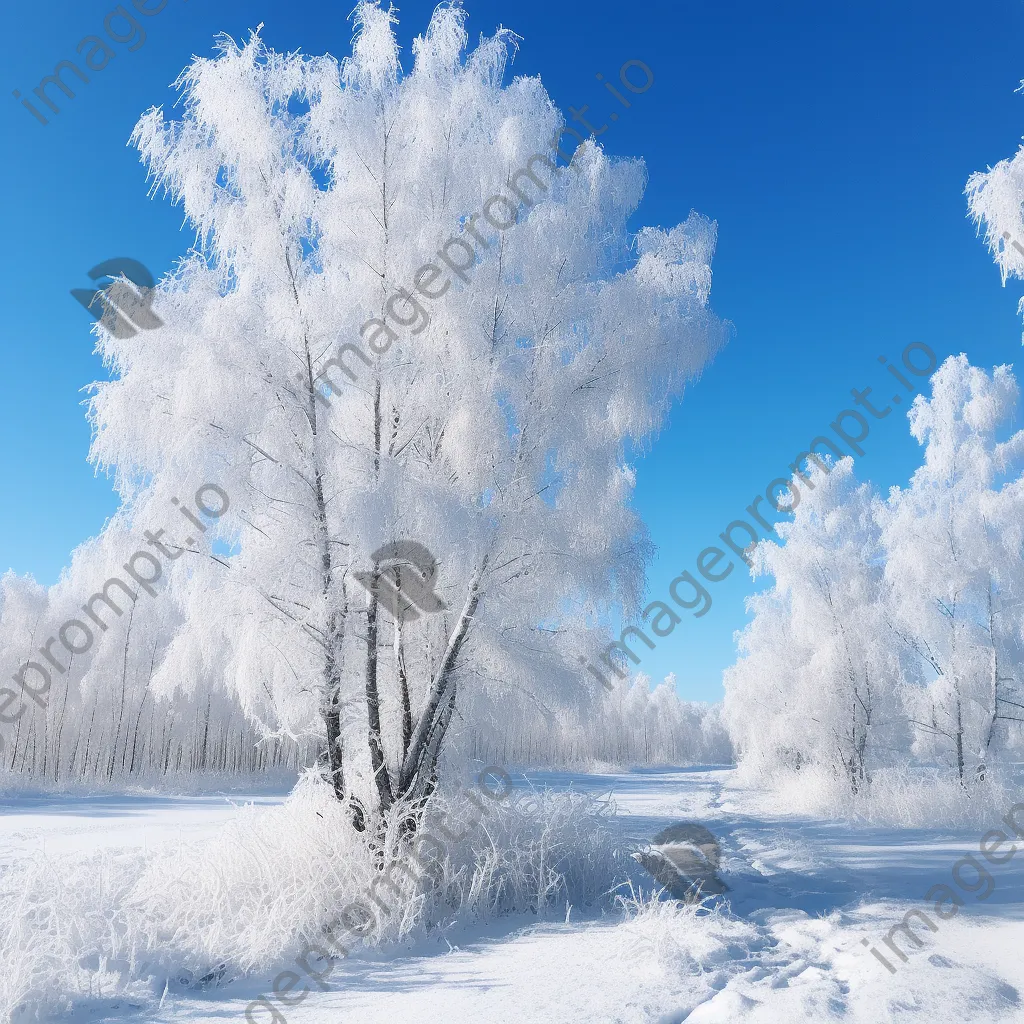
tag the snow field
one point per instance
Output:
(523, 923)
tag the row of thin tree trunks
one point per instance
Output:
(632, 743)
(142, 739)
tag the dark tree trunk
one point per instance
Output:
(959, 739)
(377, 762)
(421, 759)
(403, 686)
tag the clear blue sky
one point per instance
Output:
(830, 142)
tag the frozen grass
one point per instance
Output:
(685, 938)
(900, 797)
(265, 886)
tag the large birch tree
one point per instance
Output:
(487, 425)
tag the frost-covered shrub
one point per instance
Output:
(903, 796)
(688, 938)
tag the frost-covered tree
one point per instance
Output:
(98, 720)
(954, 568)
(23, 607)
(632, 724)
(893, 631)
(484, 375)
(816, 681)
(995, 199)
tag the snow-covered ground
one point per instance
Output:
(785, 946)
(55, 824)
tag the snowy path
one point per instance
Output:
(804, 894)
